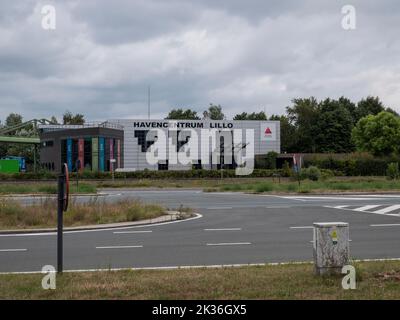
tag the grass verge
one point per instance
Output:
(307, 186)
(376, 280)
(44, 188)
(13, 215)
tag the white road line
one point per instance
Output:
(224, 229)
(302, 227)
(149, 225)
(141, 231)
(207, 266)
(366, 208)
(229, 244)
(119, 247)
(328, 198)
(12, 250)
(387, 209)
(218, 208)
(339, 207)
(278, 207)
(385, 225)
(312, 241)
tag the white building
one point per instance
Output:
(185, 144)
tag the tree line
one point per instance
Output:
(312, 126)
(308, 125)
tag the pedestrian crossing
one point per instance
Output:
(388, 210)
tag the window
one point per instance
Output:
(46, 144)
(163, 166)
(197, 165)
(142, 141)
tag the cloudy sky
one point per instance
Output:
(245, 55)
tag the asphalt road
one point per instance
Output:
(233, 228)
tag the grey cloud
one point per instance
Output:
(244, 55)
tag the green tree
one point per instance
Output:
(13, 119)
(367, 106)
(378, 134)
(333, 127)
(69, 118)
(288, 133)
(53, 120)
(350, 107)
(180, 114)
(250, 116)
(303, 116)
(214, 112)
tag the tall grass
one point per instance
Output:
(307, 186)
(11, 188)
(43, 214)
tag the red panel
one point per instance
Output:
(112, 165)
(81, 153)
(119, 153)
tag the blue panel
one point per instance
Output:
(101, 154)
(69, 154)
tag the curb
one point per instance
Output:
(170, 216)
(51, 195)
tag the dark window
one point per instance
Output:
(197, 165)
(142, 141)
(46, 144)
(163, 166)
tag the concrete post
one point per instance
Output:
(331, 247)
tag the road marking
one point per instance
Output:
(366, 208)
(385, 225)
(383, 211)
(218, 208)
(119, 247)
(141, 231)
(278, 207)
(229, 244)
(302, 227)
(197, 216)
(12, 250)
(208, 266)
(312, 241)
(387, 209)
(305, 198)
(224, 229)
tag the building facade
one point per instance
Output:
(158, 144)
(94, 147)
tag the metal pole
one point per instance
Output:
(60, 208)
(148, 101)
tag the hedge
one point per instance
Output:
(145, 174)
(352, 167)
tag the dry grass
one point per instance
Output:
(270, 282)
(43, 188)
(13, 215)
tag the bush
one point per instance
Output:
(286, 171)
(312, 173)
(362, 166)
(149, 174)
(392, 171)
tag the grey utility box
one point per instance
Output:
(331, 247)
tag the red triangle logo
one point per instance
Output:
(268, 131)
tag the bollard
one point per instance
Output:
(331, 247)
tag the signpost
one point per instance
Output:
(297, 165)
(112, 163)
(62, 205)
